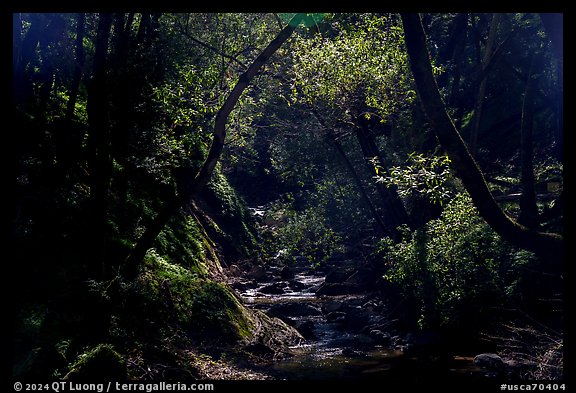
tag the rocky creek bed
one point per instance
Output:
(347, 329)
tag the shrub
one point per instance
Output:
(448, 265)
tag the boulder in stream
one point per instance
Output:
(287, 273)
(490, 361)
(273, 289)
(294, 309)
(306, 329)
(336, 289)
(271, 337)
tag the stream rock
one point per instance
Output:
(257, 273)
(244, 285)
(336, 316)
(337, 275)
(331, 306)
(276, 288)
(294, 309)
(380, 337)
(337, 289)
(297, 285)
(287, 273)
(272, 337)
(306, 329)
(490, 361)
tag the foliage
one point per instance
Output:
(185, 106)
(427, 176)
(298, 234)
(362, 70)
(452, 262)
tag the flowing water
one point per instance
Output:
(332, 352)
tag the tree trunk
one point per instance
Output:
(457, 60)
(394, 210)
(99, 147)
(193, 187)
(27, 52)
(548, 246)
(483, 82)
(334, 141)
(454, 48)
(359, 185)
(528, 208)
(78, 67)
(554, 27)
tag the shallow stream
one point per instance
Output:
(336, 353)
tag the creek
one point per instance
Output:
(347, 336)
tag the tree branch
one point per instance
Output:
(213, 49)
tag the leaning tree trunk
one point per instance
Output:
(192, 188)
(548, 246)
(379, 223)
(394, 211)
(351, 170)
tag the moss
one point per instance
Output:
(174, 297)
(218, 315)
(184, 242)
(232, 223)
(100, 362)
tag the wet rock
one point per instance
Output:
(337, 276)
(356, 318)
(287, 273)
(306, 329)
(273, 313)
(380, 337)
(272, 336)
(234, 271)
(336, 316)
(336, 289)
(244, 285)
(273, 289)
(331, 306)
(295, 309)
(257, 273)
(490, 361)
(297, 285)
